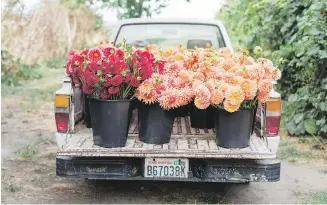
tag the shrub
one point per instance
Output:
(292, 33)
(12, 71)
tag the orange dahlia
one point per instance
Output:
(201, 103)
(249, 88)
(217, 96)
(265, 86)
(229, 107)
(263, 97)
(234, 95)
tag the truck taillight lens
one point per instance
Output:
(273, 112)
(62, 121)
(61, 101)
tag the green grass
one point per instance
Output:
(293, 154)
(28, 152)
(318, 198)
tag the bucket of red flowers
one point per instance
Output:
(109, 76)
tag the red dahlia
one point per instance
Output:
(120, 54)
(84, 53)
(108, 51)
(71, 53)
(95, 55)
(112, 69)
(77, 60)
(91, 79)
(117, 80)
(107, 82)
(94, 66)
(104, 94)
(113, 90)
(87, 90)
(77, 71)
(134, 82)
(127, 77)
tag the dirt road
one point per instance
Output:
(28, 165)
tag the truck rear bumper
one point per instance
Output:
(201, 170)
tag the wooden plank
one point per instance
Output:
(179, 126)
(74, 140)
(203, 144)
(252, 146)
(88, 143)
(172, 144)
(202, 132)
(182, 144)
(130, 143)
(165, 146)
(224, 149)
(175, 129)
(157, 146)
(259, 147)
(138, 144)
(187, 125)
(80, 142)
(192, 143)
(213, 145)
(211, 132)
(197, 131)
(147, 146)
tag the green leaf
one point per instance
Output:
(292, 98)
(310, 126)
(298, 117)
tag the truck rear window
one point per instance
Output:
(171, 35)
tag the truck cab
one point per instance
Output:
(202, 160)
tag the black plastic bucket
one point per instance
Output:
(182, 111)
(155, 124)
(202, 118)
(110, 121)
(233, 130)
(87, 112)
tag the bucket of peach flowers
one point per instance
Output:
(240, 82)
(109, 77)
(161, 95)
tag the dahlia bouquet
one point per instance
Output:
(111, 73)
(171, 89)
(234, 81)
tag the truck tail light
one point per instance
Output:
(61, 103)
(62, 122)
(273, 113)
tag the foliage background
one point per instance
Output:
(294, 34)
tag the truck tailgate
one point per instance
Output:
(185, 142)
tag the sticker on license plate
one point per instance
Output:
(166, 167)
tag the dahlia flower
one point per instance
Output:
(217, 97)
(229, 107)
(249, 88)
(234, 95)
(95, 55)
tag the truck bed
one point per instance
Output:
(185, 142)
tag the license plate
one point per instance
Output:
(166, 167)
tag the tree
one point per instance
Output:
(125, 8)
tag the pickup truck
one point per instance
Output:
(193, 149)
